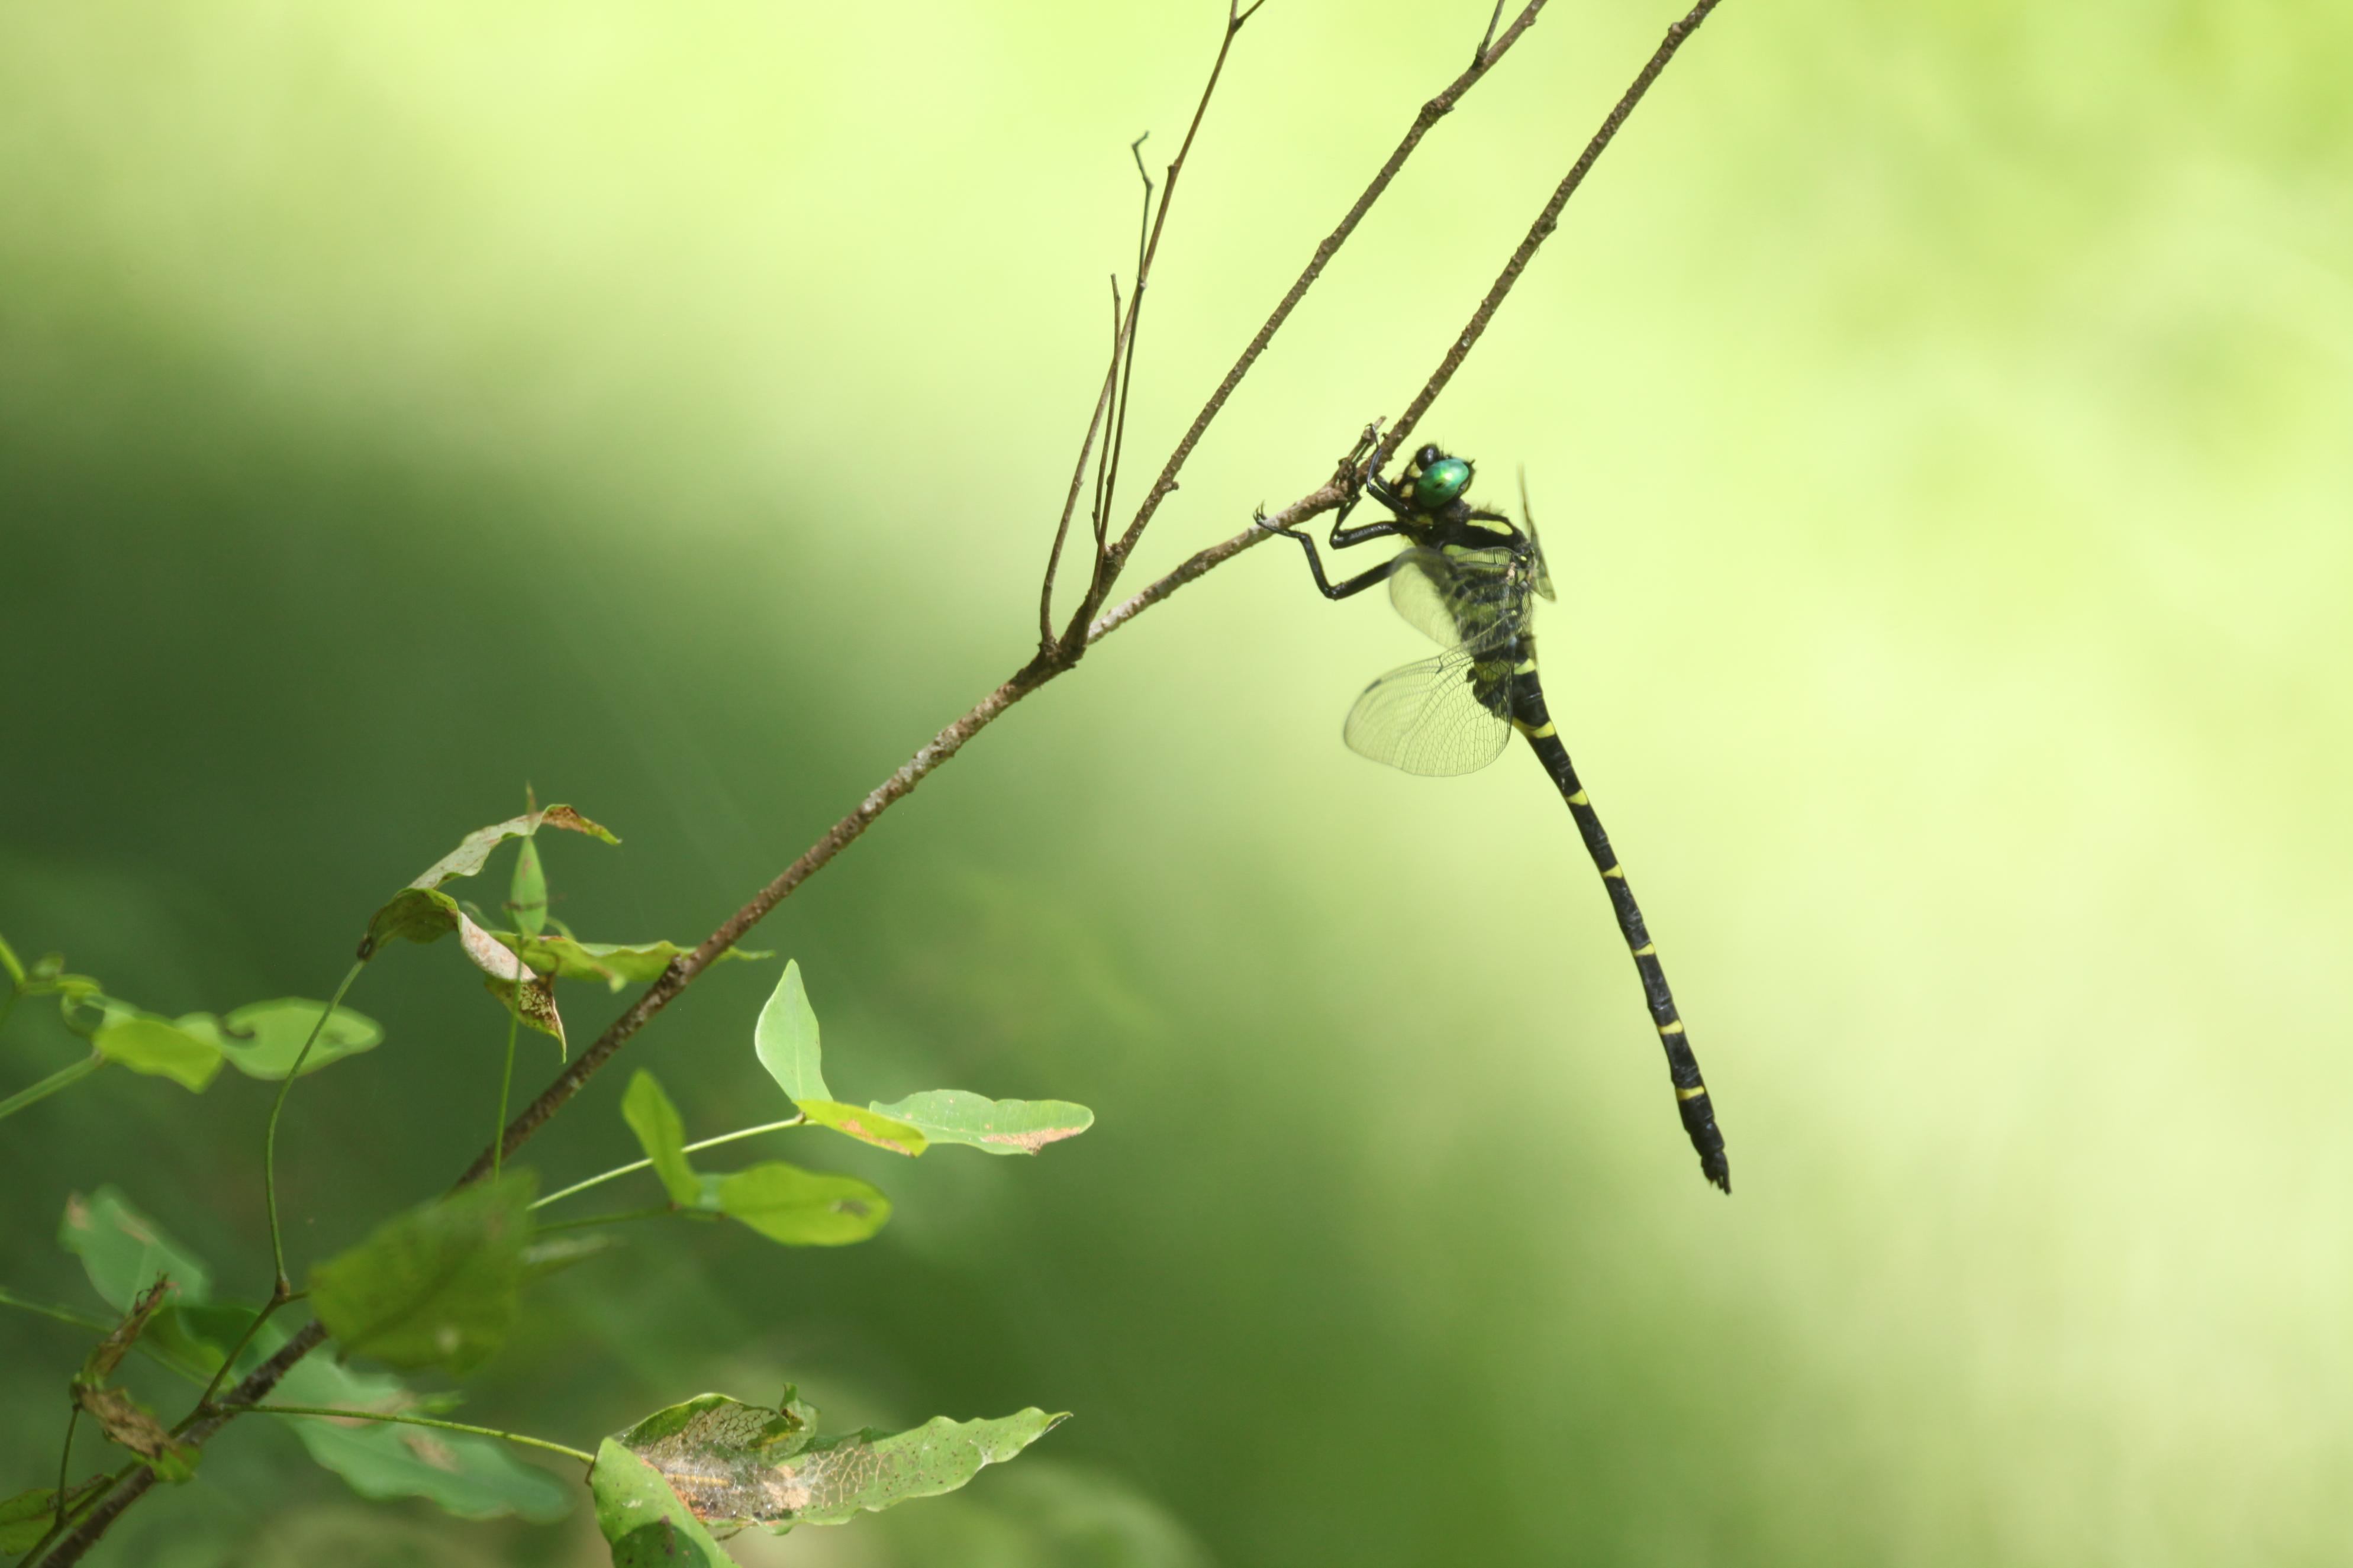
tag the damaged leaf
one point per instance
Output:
(99, 1366)
(420, 912)
(867, 1125)
(132, 1424)
(434, 1287)
(998, 1126)
(734, 1465)
(474, 851)
(642, 1518)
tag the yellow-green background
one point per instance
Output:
(1940, 420)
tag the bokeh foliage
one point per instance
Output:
(1937, 415)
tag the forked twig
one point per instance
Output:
(1089, 626)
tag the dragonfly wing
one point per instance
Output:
(1426, 718)
(1456, 601)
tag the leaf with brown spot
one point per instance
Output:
(998, 1126)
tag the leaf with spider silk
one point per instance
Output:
(1426, 719)
(1456, 603)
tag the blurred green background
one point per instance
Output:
(1940, 420)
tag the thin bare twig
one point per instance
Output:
(1087, 628)
(1078, 478)
(1123, 380)
(1479, 55)
(1431, 112)
(1547, 221)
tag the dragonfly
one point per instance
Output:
(1468, 578)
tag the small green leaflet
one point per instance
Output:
(434, 1287)
(998, 1126)
(184, 1050)
(643, 1520)
(660, 1134)
(800, 1208)
(787, 1042)
(734, 1464)
(123, 1251)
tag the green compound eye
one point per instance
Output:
(1441, 483)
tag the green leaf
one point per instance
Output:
(734, 1464)
(472, 1477)
(414, 914)
(123, 1251)
(615, 963)
(262, 1039)
(867, 1125)
(643, 1519)
(16, 968)
(1000, 1126)
(130, 1424)
(27, 1517)
(474, 851)
(434, 1287)
(803, 1208)
(161, 1048)
(660, 1134)
(527, 893)
(785, 1039)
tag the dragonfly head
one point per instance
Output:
(1436, 480)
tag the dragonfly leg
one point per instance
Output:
(1325, 585)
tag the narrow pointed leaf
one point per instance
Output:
(724, 1460)
(527, 893)
(124, 1251)
(262, 1039)
(660, 1134)
(803, 1208)
(642, 1518)
(786, 1040)
(867, 1125)
(159, 1047)
(127, 1421)
(434, 1287)
(1000, 1126)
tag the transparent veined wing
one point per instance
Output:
(1454, 602)
(1426, 718)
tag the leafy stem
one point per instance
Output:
(654, 1213)
(284, 1287)
(601, 1178)
(51, 1084)
(570, 1453)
